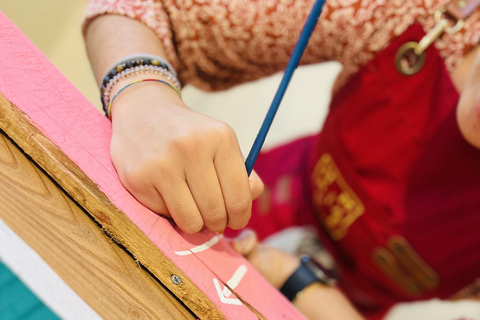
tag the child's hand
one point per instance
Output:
(180, 163)
(275, 265)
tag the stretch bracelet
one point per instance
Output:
(109, 109)
(134, 61)
(107, 90)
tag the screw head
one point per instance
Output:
(176, 279)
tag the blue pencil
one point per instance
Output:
(291, 66)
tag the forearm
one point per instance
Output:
(325, 303)
(110, 38)
(317, 301)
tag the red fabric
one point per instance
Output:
(395, 142)
(284, 172)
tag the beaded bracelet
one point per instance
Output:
(106, 91)
(109, 109)
(132, 63)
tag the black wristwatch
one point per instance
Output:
(307, 273)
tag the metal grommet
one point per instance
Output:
(407, 61)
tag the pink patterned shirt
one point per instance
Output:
(217, 44)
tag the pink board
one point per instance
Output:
(62, 114)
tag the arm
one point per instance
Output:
(315, 301)
(325, 303)
(175, 161)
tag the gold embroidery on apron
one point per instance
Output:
(331, 192)
(412, 262)
(401, 263)
(391, 268)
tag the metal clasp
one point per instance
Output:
(407, 61)
(410, 57)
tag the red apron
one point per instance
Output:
(390, 182)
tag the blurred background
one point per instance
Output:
(54, 27)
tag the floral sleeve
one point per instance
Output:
(149, 12)
(218, 44)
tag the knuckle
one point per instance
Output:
(215, 218)
(195, 143)
(239, 213)
(214, 214)
(157, 206)
(193, 226)
(135, 177)
(226, 132)
(185, 144)
(239, 206)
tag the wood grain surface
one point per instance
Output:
(101, 272)
(110, 219)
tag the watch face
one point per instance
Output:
(325, 276)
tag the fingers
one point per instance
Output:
(256, 185)
(152, 199)
(235, 187)
(137, 182)
(180, 204)
(191, 170)
(208, 207)
(206, 192)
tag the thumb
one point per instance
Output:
(246, 243)
(256, 185)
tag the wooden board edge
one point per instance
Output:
(74, 182)
(75, 247)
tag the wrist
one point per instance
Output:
(307, 274)
(288, 267)
(143, 98)
(308, 291)
(153, 69)
(138, 77)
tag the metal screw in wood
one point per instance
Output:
(176, 279)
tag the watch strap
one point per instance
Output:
(299, 280)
